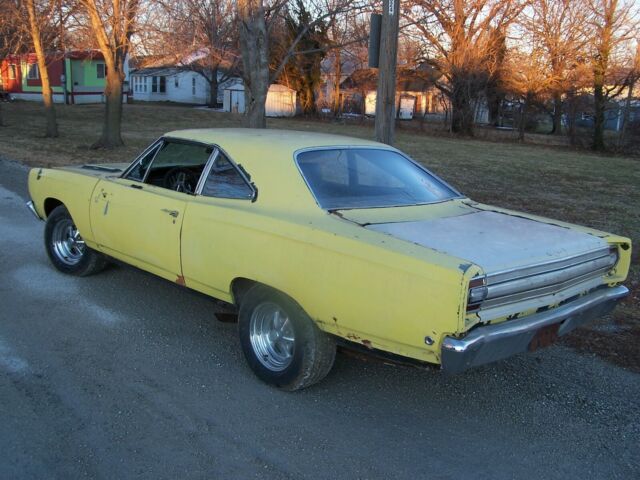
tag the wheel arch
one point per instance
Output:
(239, 288)
(51, 203)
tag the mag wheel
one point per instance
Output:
(66, 248)
(282, 345)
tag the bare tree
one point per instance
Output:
(463, 40)
(632, 78)
(113, 22)
(557, 27)
(612, 25)
(347, 36)
(200, 36)
(527, 80)
(47, 93)
(256, 19)
(11, 34)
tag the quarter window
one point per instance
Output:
(139, 170)
(225, 181)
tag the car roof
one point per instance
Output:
(285, 141)
(267, 156)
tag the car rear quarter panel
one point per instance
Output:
(359, 285)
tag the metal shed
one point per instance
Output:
(281, 100)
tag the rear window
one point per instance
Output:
(347, 178)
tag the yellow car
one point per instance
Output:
(317, 240)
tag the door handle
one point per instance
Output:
(173, 213)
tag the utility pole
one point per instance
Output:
(386, 96)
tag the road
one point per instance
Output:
(124, 375)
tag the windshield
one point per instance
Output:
(344, 178)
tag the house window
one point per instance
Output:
(32, 72)
(193, 86)
(145, 82)
(158, 84)
(176, 82)
(12, 72)
(101, 70)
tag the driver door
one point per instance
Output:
(138, 217)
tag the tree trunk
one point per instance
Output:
(336, 87)
(571, 117)
(626, 113)
(47, 93)
(523, 118)
(254, 45)
(213, 89)
(599, 106)
(111, 136)
(461, 110)
(556, 129)
(308, 99)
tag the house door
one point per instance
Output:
(237, 101)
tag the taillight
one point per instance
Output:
(477, 293)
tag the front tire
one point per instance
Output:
(281, 343)
(66, 248)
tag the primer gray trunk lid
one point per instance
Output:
(495, 241)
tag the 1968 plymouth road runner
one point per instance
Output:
(317, 240)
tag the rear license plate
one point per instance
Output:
(544, 337)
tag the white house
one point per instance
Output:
(172, 84)
(281, 100)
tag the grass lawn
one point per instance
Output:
(575, 186)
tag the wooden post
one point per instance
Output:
(386, 96)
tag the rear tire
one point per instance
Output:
(282, 344)
(66, 248)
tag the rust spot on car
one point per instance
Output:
(180, 281)
(464, 267)
(367, 343)
(353, 336)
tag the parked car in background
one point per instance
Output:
(317, 240)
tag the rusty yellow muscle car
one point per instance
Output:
(316, 240)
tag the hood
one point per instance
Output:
(493, 240)
(99, 169)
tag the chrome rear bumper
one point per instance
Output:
(496, 342)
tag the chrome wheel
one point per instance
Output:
(67, 243)
(272, 337)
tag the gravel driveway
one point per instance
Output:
(125, 375)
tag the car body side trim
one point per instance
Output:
(32, 209)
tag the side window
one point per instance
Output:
(178, 165)
(225, 181)
(139, 170)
